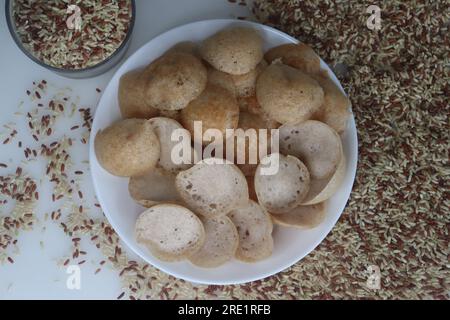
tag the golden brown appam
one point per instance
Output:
(251, 105)
(127, 148)
(174, 80)
(235, 50)
(288, 95)
(131, 96)
(335, 110)
(216, 108)
(245, 84)
(221, 79)
(299, 56)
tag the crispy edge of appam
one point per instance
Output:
(302, 217)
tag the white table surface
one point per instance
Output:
(35, 273)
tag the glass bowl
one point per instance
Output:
(88, 72)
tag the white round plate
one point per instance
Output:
(291, 245)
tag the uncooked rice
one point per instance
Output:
(43, 28)
(398, 215)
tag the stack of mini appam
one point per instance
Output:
(212, 210)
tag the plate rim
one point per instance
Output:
(262, 275)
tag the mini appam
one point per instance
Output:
(127, 148)
(221, 243)
(254, 226)
(164, 128)
(299, 56)
(131, 96)
(171, 232)
(284, 190)
(235, 51)
(154, 187)
(174, 80)
(213, 187)
(288, 95)
(315, 143)
(215, 108)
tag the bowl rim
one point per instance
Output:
(263, 275)
(12, 30)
